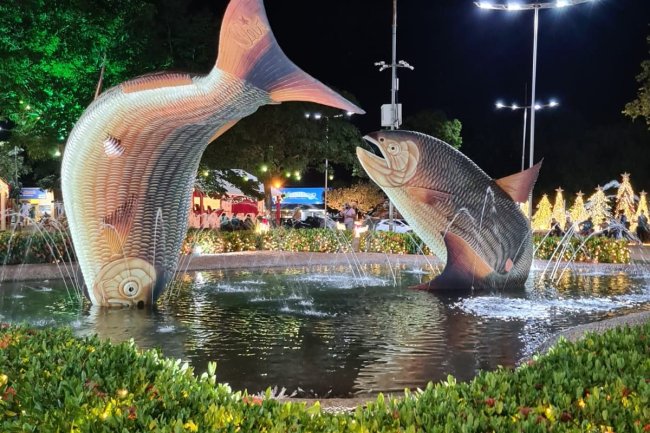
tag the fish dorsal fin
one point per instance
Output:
(117, 225)
(155, 81)
(464, 268)
(519, 185)
(428, 196)
(248, 50)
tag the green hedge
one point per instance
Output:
(51, 381)
(53, 247)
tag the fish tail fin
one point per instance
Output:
(248, 50)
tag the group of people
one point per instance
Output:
(617, 228)
(220, 220)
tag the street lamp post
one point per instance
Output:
(515, 107)
(394, 118)
(319, 116)
(516, 6)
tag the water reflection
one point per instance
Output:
(329, 332)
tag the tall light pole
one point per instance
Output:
(515, 107)
(516, 6)
(394, 116)
(319, 116)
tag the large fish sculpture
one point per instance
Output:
(465, 217)
(131, 160)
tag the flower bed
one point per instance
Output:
(51, 381)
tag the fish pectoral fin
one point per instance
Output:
(519, 185)
(117, 225)
(248, 50)
(464, 268)
(428, 196)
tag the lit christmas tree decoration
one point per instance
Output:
(543, 215)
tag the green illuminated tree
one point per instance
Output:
(640, 107)
(436, 124)
(367, 196)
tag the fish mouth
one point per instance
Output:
(378, 168)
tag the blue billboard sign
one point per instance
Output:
(32, 193)
(302, 195)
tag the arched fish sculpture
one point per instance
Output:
(131, 160)
(465, 217)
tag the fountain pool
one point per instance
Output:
(329, 331)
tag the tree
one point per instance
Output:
(625, 197)
(366, 195)
(279, 142)
(578, 211)
(640, 107)
(543, 215)
(643, 207)
(599, 207)
(12, 167)
(559, 207)
(436, 124)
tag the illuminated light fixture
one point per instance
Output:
(288, 174)
(206, 173)
(331, 177)
(264, 168)
(298, 177)
(61, 137)
(57, 153)
(499, 104)
(307, 115)
(317, 116)
(514, 107)
(562, 3)
(485, 5)
(349, 113)
(296, 173)
(514, 6)
(553, 103)
(28, 107)
(245, 178)
(538, 107)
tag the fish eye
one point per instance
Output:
(130, 288)
(393, 148)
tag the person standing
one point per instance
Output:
(349, 216)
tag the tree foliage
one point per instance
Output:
(279, 142)
(436, 124)
(640, 107)
(53, 52)
(366, 195)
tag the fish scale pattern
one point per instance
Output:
(479, 211)
(163, 133)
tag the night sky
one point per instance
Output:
(466, 59)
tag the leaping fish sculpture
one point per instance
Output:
(131, 160)
(465, 217)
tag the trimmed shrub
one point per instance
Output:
(51, 381)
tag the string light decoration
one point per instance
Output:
(599, 206)
(625, 198)
(578, 212)
(559, 207)
(543, 215)
(643, 207)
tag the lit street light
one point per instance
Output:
(319, 116)
(515, 107)
(516, 6)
